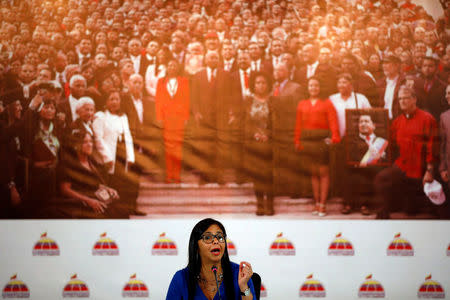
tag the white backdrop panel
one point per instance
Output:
(282, 275)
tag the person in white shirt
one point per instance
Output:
(389, 85)
(347, 99)
(134, 50)
(114, 143)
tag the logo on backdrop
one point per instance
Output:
(164, 246)
(135, 288)
(371, 289)
(15, 289)
(263, 292)
(75, 288)
(105, 246)
(312, 288)
(341, 247)
(400, 247)
(448, 250)
(45, 247)
(431, 289)
(231, 248)
(281, 246)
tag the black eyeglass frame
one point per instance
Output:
(213, 236)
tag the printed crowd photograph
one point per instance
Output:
(117, 109)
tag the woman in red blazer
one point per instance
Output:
(172, 111)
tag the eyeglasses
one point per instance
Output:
(208, 238)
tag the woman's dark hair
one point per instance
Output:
(77, 137)
(179, 66)
(320, 85)
(168, 55)
(255, 75)
(195, 263)
(120, 112)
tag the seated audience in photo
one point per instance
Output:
(83, 186)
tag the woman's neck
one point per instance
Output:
(46, 124)
(207, 273)
(261, 98)
(84, 160)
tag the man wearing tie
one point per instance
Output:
(140, 114)
(67, 108)
(257, 63)
(84, 50)
(310, 64)
(276, 49)
(286, 94)
(228, 55)
(134, 52)
(150, 53)
(239, 91)
(430, 90)
(209, 102)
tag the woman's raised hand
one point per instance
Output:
(245, 273)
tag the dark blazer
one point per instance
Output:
(266, 67)
(139, 131)
(210, 98)
(236, 102)
(234, 66)
(327, 75)
(143, 65)
(381, 86)
(64, 107)
(434, 101)
(363, 84)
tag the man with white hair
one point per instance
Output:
(68, 106)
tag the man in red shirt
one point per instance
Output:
(414, 143)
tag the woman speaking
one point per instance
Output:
(209, 267)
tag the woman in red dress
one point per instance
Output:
(172, 110)
(316, 118)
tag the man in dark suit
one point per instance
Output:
(209, 90)
(239, 92)
(228, 58)
(276, 49)
(286, 94)
(66, 109)
(320, 68)
(134, 53)
(389, 85)
(140, 113)
(430, 90)
(362, 83)
(365, 152)
(84, 51)
(257, 61)
(150, 54)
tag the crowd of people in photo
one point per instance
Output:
(96, 93)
